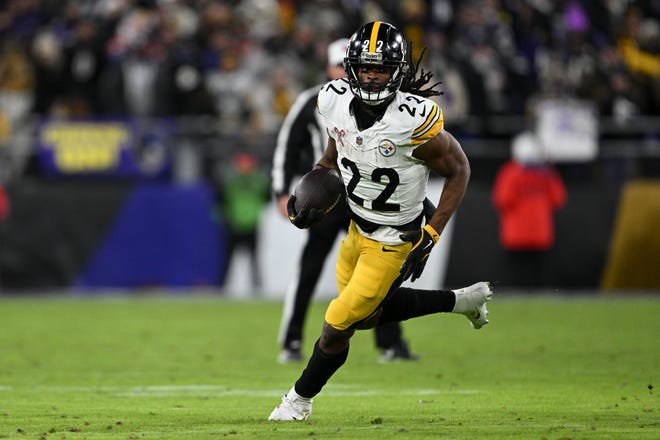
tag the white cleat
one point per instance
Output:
(297, 408)
(471, 302)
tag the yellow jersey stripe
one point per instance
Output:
(427, 122)
(430, 132)
(374, 36)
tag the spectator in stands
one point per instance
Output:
(484, 45)
(17, 82)
(526, 194)
(639, 44)
(502, 51)
(455, 99)
(134, 52)
(48, 61)
(84, 59)
(179, 82)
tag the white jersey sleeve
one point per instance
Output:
(385, 184)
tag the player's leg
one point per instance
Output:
(296, 404)
(405, 303)
(364, 275)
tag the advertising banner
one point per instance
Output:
(112, 148)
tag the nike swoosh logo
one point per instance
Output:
(388, 250)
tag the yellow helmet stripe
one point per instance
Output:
(374, 36)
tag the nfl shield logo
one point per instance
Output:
(358, 140)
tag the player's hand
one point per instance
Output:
(423, 241)
(305, 218)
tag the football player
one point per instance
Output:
(300, 142)
(385, 138)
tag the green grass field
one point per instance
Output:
(203, 367)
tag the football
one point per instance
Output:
(320, 188)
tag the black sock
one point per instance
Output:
(320, 368)
(405, 303)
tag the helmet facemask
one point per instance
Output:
(373, 93)
(379, 45)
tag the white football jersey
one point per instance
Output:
(385, 184)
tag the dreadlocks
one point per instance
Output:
(413, 83)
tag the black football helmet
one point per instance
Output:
(381, 44)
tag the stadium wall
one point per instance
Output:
(576, 261)
(96, 234)
(91, 235)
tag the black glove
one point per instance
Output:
(305, 218)
(423, 241)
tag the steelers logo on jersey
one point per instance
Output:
(387, 148)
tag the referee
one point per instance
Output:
(300, 143)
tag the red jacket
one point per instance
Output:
(4, 204)
(526, 198)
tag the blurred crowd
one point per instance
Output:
(243, 61)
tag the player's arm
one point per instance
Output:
(443, 154)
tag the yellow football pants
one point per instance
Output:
(366, 270)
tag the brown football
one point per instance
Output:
(320, 188)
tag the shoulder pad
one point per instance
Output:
(331, 92)
(427, 115)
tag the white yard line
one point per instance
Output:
(338, 390)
